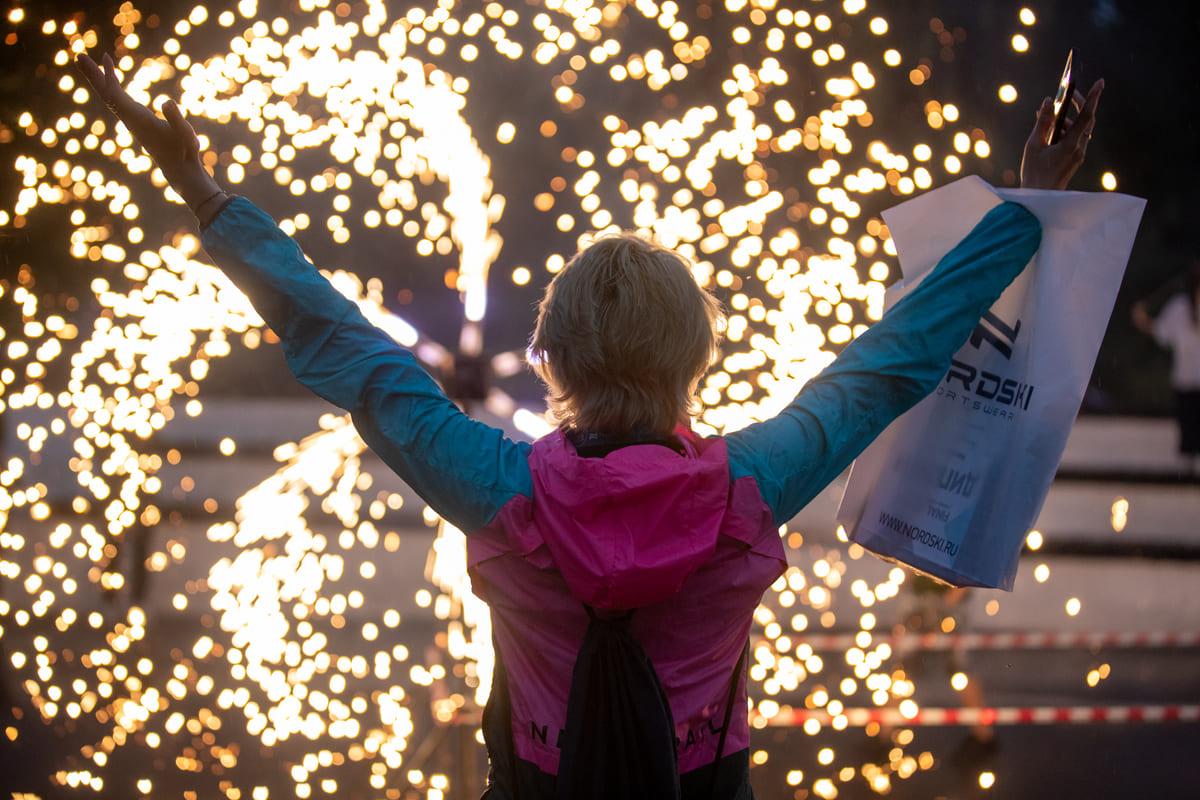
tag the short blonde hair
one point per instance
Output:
(623, 336)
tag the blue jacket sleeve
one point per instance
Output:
(464, 469)
(886, 370)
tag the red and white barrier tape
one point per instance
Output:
(1039, 715)
(1047, 640)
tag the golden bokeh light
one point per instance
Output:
(360, 117)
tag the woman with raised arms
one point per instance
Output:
(622, 555)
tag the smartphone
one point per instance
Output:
(1062, 100)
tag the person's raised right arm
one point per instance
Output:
(169, 140)
(464, 469)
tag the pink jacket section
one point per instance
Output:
(644, 528)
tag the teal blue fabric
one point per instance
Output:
(886, 370)
(465, 470)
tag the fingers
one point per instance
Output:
(189, 143)
(111, 82)
(174, 116)
(1077, 100)
(87, 66)
(1051, 166)
(1080, 132)
(103, 79)
(1087, 114)
(93, 73)
(1040, 135)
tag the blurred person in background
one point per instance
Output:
(1177, 328)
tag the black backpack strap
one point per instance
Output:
(498, 734)
(734, 682)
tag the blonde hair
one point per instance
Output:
(623, 336)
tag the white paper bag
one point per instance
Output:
(953, 486)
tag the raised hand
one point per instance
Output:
(169, 140)
(1051, 166)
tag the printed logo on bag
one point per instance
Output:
(995, 332)
(981, 390)
(987, 385)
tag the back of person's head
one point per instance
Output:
(624, 334)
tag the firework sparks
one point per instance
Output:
(365, 124)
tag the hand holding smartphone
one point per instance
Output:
(1057, 145)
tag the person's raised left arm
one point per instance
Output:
(885, 371)
(901, 358)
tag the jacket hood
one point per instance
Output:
(627, 530)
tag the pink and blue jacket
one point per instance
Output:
(690, 538)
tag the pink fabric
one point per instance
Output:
(642, 528)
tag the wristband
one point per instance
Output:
(206, 200)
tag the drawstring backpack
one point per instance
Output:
(619, 740)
